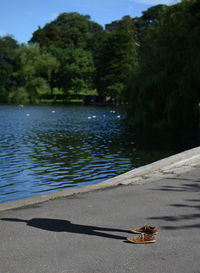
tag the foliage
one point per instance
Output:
(116, 60)
(73, 40)
(147, 20)
(8, 45)
(79, 69)
(32, 65)
(75, 71)
(46, 66)
(69, 30)
(164, 91)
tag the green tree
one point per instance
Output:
(76, 69)
(69, 30)
(8, 46)
(79, 70)
(164, 90)
(47, 36)
(46, 66)
(33, 74)
(147, 20)
(116, 60)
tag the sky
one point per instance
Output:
(21, 18)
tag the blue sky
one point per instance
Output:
(22, 17)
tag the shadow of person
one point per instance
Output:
(58, 225)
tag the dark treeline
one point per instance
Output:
(164, 89)
(149, 64)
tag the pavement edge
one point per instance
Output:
(170, 166)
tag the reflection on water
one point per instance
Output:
(45, 149)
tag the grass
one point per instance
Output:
(61, 101)
(59, 96)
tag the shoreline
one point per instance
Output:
(170, 166)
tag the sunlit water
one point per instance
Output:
(49, 148)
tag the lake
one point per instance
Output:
(51, 148)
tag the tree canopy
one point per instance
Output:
(116, 60)
(69, 30)
(164, 90)
(8, 46)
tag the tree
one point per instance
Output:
(46, 66)
(69, 30)
(164, 91)
(8, 46)
(47, 36)
(79, 69)
(32, 75)
(116, 60)
(76, 69)
(147, 20)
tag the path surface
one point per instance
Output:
(85, 233)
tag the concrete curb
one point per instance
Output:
(163, 168)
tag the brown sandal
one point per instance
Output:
(145, 229)
(142, 239)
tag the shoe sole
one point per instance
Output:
(146, 242)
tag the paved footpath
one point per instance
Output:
(86, 232)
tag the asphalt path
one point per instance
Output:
(86, 233)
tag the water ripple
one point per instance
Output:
(45, 149)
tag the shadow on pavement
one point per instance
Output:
(58, 225)
(176, 222)
(194, 186)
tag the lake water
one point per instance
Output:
(50, 148)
